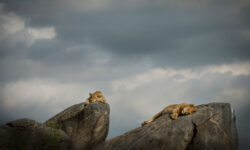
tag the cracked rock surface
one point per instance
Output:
(212, 127)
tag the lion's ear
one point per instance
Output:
(192, 105)
(90, 94)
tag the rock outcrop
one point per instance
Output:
(85, 127)
(211, 127)
(79, 127)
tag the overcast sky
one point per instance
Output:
(143, 55)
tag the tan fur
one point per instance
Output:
(96, 96)
(175, 110)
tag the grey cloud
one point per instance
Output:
(172, 36)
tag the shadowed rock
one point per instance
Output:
(79, 127)
(211, 127)
(26, 134)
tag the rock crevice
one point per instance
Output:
(194, 134)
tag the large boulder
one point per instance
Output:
(211, 127)
(79, 127)
(86, 125)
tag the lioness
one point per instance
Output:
(175, 110)
(96, 96)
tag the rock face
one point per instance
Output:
(79, 127)
(212, 127)
(86, 125)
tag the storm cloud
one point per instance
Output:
(213, 32)
(140, 53)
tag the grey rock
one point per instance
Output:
(212, 127)
(83, 127)
(79, 127)
(86, 125)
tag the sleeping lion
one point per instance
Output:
(175, 110)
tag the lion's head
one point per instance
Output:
(189, 109)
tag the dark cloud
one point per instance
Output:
(172, 35)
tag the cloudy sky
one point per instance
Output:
(143, 55)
